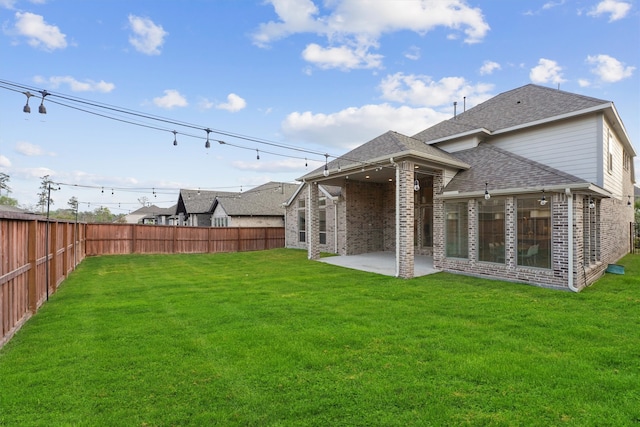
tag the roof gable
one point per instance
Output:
(264, 200)
(526, 104)
(387, 145)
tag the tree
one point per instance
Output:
(4, 180)
(44, 196)
(73, 203)
(8, 201)
(144, 201)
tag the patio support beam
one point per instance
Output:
(405, 219)
(313, 222)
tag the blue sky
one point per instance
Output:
(311, 77)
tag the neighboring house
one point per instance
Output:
(195, 206)
(261, 206)
(137, 216)
(530, 186)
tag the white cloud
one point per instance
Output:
(147, 37)
(205, 104)
(609, 69)
(547, 71)
(353, 27)
(353, 126)
(342, 57)
(234, 103)
(31, 150)
(4, 162)
(171, 99)
(584, 83)
(421, 90)
(76, 85)
(614, 8)
(7, 4)
(38, 32)
(413, 53)
(488, 67)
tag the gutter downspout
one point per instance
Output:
(397, 216)
(570, 259)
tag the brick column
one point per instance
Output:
(438, 222)
(313, 222)
(404, 220)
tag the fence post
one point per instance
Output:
(53, 267)
(134, 238)
(32, 277)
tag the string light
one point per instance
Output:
(42, 109)
(326, 165)
(629, 201)
(26, 107)
(257, 154)
(175, 138)
(487, 196)
(543, 200)
(416, 185)
(207, 144)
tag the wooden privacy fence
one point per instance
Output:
(38, 255)
(107, 239)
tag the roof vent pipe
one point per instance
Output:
(455, 104)
(464, 104)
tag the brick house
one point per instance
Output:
(534, 185)
(262, 206)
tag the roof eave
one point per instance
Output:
(585, 187)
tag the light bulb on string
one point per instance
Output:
(326, 165)
(543, 200)
(26, 108)
(416, 185)
(207, 144)
(257, 154)
(175, 139)
(487, 196)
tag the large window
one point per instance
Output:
(302, 223)
(322, 216)
(534, 233)
(590, 231)
(456, 230)
(423, 201)
(491, 230)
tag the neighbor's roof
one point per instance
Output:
(264, 200)
(526, 104)
(503, 170)
(389, 144)
(199, 201)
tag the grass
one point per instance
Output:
(272, 339)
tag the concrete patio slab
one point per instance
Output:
(381, 263)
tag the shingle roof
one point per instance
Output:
(504, 170)
(199, 201)
(519, 106)
(264, 200)
(388, 144)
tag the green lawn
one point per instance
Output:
(270, 338)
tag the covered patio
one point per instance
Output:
(381, 263)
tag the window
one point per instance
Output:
(456, 230)
(322, 214)
(222, 221)
(423, 201)
(491, 230)
(626, 161)
(590, 231)
(609, 152)
(302, 223)
(533, 233)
